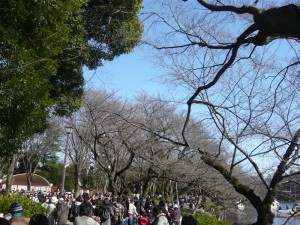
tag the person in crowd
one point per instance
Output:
(131, 212)
(143, 220)
(97, 212)
(147, 205)
(62, 212)
(17, 218)
(118, 211)
(86, 198)
(75, 208)
(164, 204)
(39, 219)
(4, 221)
(160, 216)
(86, 212)
(51, 210)
(138, 204)
(188, 220)
(125, 204)
(150, 210)
(175, 216)
(106, 212)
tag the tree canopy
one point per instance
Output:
(44, 46)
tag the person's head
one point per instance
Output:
(3, 221)
(157, 210)
(15, 209)
(144, 214)
(162, 202)
(54, 199)
(119, 199)
(106, 202)
(188, 220)
(61, 200)
(86, 209)
(86, 197)
(39, 219)
(79, 199)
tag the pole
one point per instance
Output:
(64, 169)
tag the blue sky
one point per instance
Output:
(128, 74)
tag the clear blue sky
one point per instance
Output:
(128, 74)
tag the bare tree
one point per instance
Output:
(35, 149)
(108, 136)
(165, 163)
(240, 64)
(78, 152)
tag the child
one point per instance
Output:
(143, 220)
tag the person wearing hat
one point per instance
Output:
(17, 218)
(62, 212)
(51, 210)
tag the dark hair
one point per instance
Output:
(158, 209)
(4, 221)
(144, 214)
(79, 199)
(86, 209)
(188, 220)
(39, 219)
(86, 197)
(162, 203)
(106, 202)
(119, 199)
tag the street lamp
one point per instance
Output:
(68, 131)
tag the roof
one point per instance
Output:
(21, 179)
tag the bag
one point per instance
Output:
(104, 214)
(176, 216)
(163, 222)
(74, 211)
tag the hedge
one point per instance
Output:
(30, 208)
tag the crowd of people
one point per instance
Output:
(99, 210)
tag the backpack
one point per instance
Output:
(104, 214)
(176, 216)
(74, 212)
(164, 222)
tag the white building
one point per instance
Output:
(19, 183)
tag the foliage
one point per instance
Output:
(44, 45)
(51, 170)
(38, 149)
(36, 34)
(69, 180)
(206, 219)
(30, 207)
(113, 28)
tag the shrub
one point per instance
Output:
(206, 219)
(30, 207)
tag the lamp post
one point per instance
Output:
(68, 131)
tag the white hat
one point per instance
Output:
(54, 199)
(175, 206)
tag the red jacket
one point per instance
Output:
(143, 220)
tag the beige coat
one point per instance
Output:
(19, 220)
